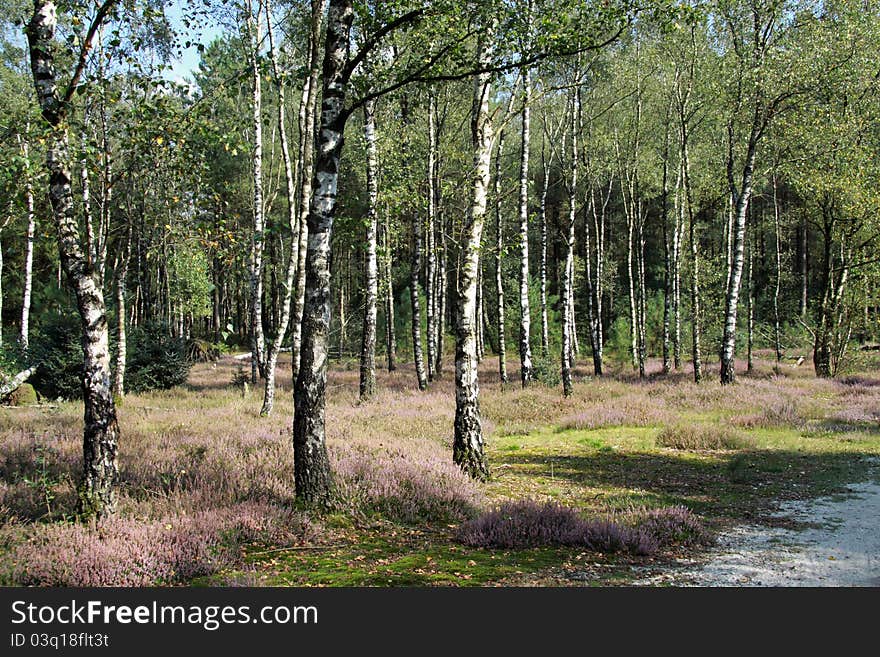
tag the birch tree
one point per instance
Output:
(97, 488)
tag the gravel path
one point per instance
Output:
(840, 547)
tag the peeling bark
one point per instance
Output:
(97, 488)
(24, 327)
(314, 480)
(467, 449)
(371, 282)
(525, 321)
(258, 339)
(307, 167)
(499, 276)
(290, 173)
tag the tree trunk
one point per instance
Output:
(822, 348)
(467, 449)
(431, 273)
(776, 288)
(642, 310)
(481, 315)
(568, 269)
(307, 166)
(542, 212)
(97, 489)
(391, 342)
(415, 273)
(442, 291)
(728, 341)
(371, 282)
(121, 343)
(24, 331)
(597, 287)
(258, 340)
(525, 314)
(668, 292)
(311, 464)
(750, 329)
(803, 265)
(290, 174)
(499, 250)
(7, 387)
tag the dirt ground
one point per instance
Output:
(828, 541)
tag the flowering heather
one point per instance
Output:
(702, 436)
(633, 410)
(403, 486)
(673, 525)
(529, 524)
(131, 552)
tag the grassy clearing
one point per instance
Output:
(201, 452)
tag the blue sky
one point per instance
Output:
(182, 67)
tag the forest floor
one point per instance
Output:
(829, 541)
(751, 460)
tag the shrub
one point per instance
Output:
(156, 361)
(547, 370)
(58, 348)
(529, 524)
(674, 525)
(703, 436)
(405, 486)
(122, 552)
(22, 396)
(786, 414)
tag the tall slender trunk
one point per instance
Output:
(121, 342)
(597, 286)
(481, 315)
(290, 175)
(431, 271)
(390, 341)
(668, 292)
(642, 304)
(777, 283)
(442, 290)
(415, 303)
(311, 464)
(822, 345)
(803, 266)
(677, 239)
(542, 213)
(568, 269)
(728, 341)
(415, 272)
(1, 289)
(499, 250)
(307, 167)
(371, 274)
(343, 320)
(24, 330)
(467, 449)
(97, 489)
(525, 313)
(258, 339)
(750, 331)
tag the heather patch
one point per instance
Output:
(131, 552)
(697, 436)
(408, 485)
(529, 524)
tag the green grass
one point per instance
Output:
(622, 467)
(599, 470)
(393, 557)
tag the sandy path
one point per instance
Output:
(841, 547)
